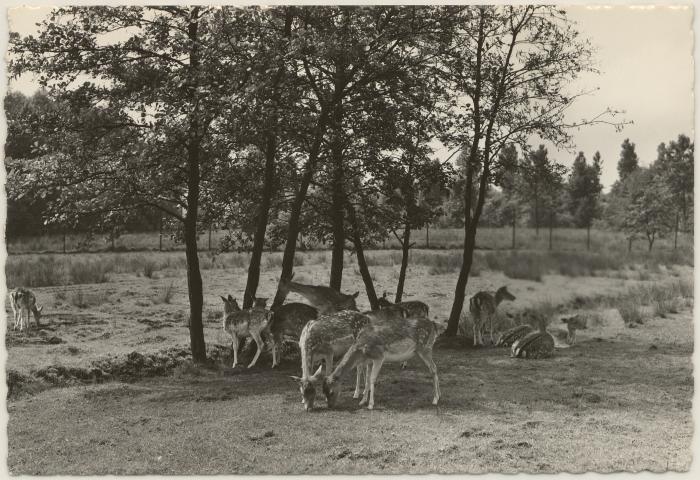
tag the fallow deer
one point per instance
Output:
(536, 344)
(577, 322)
(483, 307)
(327, 337)
(245, 323)
(385, 341)
(288, 321)
(325, 299)
(22, 302)
(413, 307)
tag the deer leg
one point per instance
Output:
(427, 357)
(475, 328)
(376, 367)
(358, 380)
(258, 344)
(365, 394)
(234, 345)
(491, 328)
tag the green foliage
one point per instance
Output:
(584, 190)
(628, 162)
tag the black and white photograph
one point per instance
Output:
(348, 239)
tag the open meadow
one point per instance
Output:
(106, 384)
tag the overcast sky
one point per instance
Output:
(645, 56)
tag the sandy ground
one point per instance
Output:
(619, 400)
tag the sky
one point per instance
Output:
(644, 54)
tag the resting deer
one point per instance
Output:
(327, 337)
(413, 307)
(483, 307)
(536, 344)
(574, 323)
(288, 321)
(22, 302)
(325, 299)
(380, 342)
(245, 323)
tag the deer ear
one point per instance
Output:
(354, 295)
(224, 299)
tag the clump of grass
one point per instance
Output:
(89, 271)
(165, 295)
(630, 310)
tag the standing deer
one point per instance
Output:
(288, 321)
(245, 323)
(325, 299)
(385, 341)
(22, 302)
(413, 307)
(577, 322)
(483, 307)
(327, 337)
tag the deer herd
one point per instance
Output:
(332, 327)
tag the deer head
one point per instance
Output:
(230, 304)
(307, 387)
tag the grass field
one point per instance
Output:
(106, 386)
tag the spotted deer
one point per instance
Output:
(380, 342)
(287, 322)
(413, 307)
(22, 302)
(325, 299)
(245, 323)
(482, 307)
(326, 337)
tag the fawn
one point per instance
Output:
(22, 302)
(483, 307)
(245, 323)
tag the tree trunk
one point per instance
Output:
(629, 245)
(427, 235)
(551, 228)
(295, 214)
(588, 237)
(160, 234)
(405, 248)
(514, 221)
(251, 286)
(651, 241)
(209, 244)
(537, 217)
(361, 261)
(64, 241)
(675, 234)
(338, 200)
(114, 237)
(460, 288)
(194, 276)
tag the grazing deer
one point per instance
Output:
(325, 299)
(22, 302)
(413, 307)
(385, 341)
(483, 307)
(288, 321)
(245, 323)
(537, 344)
(322, 339)
(577, 322)
(394, 311)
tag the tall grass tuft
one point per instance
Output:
(165, 295)
(89, 271)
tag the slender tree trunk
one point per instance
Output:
(263, 214)
(551, 228)
(194, 276)
(64, 241)
(114, 237)
(588, 237)
(295, 214)
(405, 248)
(160, 234)
(514, 221)
(629, 245)
(651, 241)
(427, 235)
(338, 200)
(675, 234)
(361, 261)
(537, 217)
